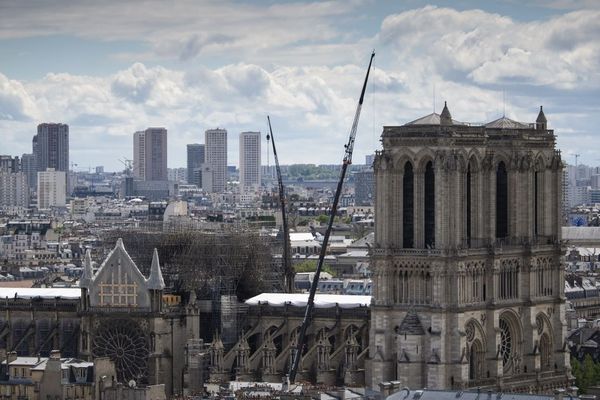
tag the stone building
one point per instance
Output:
(467, 260)
(116, 313)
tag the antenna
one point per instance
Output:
(434, 98)
(503, 103)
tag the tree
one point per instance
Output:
(311, 266)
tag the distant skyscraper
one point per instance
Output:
(150, 154)
(369, 160)
(195, 159)
(249, 160)
(51, 147)
(216, 157)
(29, 169)
(52, 189)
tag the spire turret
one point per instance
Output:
(445, 117)
(86, 278)
(541, 123)
(155, 280)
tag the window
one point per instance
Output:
(408, 206)
(501, 201)
(469, 200)
(429, 206)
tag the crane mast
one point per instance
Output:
(287, 265)
(348, 148)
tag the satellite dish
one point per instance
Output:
(132, 384)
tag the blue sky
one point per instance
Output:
(110, 68)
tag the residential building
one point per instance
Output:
(14, 189)
(216, 157)
(28, 167)
(52, 190)
(195, 159)
(51, 147)
(249, 147)
(364, 188)
(150, 154)
(178, 175)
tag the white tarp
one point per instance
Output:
(300, 300)
(44, 293)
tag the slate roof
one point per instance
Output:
(506, 123)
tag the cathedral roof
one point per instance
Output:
(300, 300)
(411, 324)
(506, 123)
(155, 280)
(436, 119)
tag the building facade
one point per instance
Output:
(195, 159)
(117, 313)
(51, 147)
(467, 261)
(216, 157)
(150, 154)
(249, 160)
(14, 189)
(364, 188)
(52, 189)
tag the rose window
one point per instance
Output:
(506, 343)
(125, 343)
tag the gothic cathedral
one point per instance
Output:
(467, 261)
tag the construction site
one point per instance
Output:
(220, 268)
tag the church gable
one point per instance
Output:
(118, 282)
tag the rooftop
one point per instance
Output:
(301, 299)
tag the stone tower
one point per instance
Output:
(467, 261)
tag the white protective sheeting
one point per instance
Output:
(300, 300)
(44, 293)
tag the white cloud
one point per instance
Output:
(492, 49)
(15, 102)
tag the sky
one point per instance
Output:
(109, 68)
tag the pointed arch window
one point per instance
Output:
(536, 180)
(469, 205)
(429, 208)
(408, 208)
(501, 201)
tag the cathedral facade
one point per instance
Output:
(117, 312)
(467, 260)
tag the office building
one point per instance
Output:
(52, 189)
(249, 160)
(216, 157)
(150, 154)
(195, 159)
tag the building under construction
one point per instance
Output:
(220, 268)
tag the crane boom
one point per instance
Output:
(349, 147)
(287, 265)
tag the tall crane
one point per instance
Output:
(348, 148)
(287, 264)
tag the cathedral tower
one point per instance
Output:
(467, 271)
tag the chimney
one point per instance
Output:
(558, 394)
(12, 356)
(385, 388)
(55, 354)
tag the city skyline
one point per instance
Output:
(198, 66)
